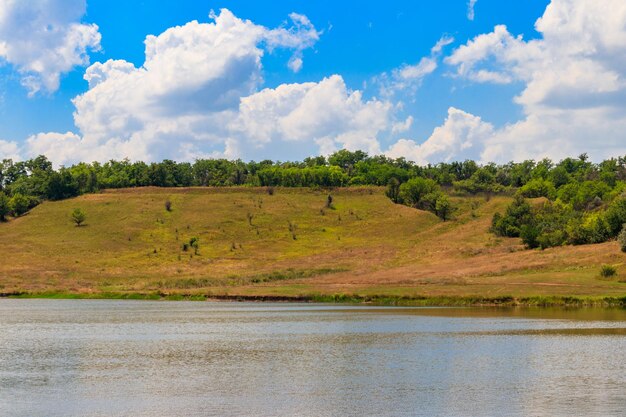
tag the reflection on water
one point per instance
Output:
(119, 358)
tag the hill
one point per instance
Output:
(288, 244)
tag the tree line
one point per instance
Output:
(573, 201)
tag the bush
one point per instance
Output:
(168, 205)
(19, 204)
(194, 242)
(414, 190)
(78, 217)
(530, 235)
(621, 238)
(538, 188)
(518, 214)
(393, 190)
(616, 216)
(608, 271)
(443, 207)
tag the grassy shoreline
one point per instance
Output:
(419, 301)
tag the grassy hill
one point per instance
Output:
(287, 245)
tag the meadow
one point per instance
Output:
(290, 245)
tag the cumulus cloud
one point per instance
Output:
(44, 39)
(573, 78)
(197, 95)
(461, 136)
(325, 112)
(408, 77)
(9, 150)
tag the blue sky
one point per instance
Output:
(468, 105)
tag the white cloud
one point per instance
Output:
(300, 36)
(461, 136)
(44, 39)
(9, 150)
(408, 78)
(573, 78)
(325, 112)
(470, 9)
(197, 95)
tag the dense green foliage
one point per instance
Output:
(621, 238)
(582, 203)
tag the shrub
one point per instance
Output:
(621, 238)
(517, 214)
(19, 204)
(608, 271)
(443, 207)
(293, 229)
(616, 216)
(538, 188)
(168, 205)
(329, 201)
(414, 190)
(78, 217)
(530, 234)
(393, 190)
(194, 242)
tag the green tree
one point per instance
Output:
(518, 214)
(4, 206)
(414, 190)
(19, 204)
(393, 190)
(194, 242)
(78, 217)
(621, 238)
(443, 207)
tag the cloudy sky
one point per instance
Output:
(491, 80)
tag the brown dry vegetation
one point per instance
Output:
(365, 245)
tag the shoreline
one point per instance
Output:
(355, 299)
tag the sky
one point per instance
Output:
(489, 80)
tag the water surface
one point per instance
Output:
(140, 358)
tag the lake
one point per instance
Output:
(142, 358)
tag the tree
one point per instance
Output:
(78, 217)
(19, 204)
(414, 190)
(393, 190)
(621, 238)
(443, 207)
(4, 206)
(194, 242)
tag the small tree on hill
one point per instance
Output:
(393, 190)
(194, 242)
(621, 238)
(443, 207)
(78, 217)
(19, 204)
(4, 206)
(329, 201)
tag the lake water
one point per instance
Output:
(140, 358)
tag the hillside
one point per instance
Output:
(286, 244)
